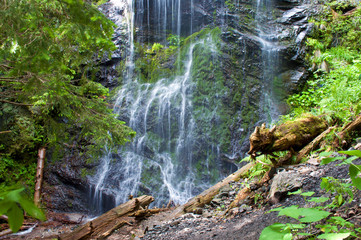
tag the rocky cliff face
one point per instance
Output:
(258, 51)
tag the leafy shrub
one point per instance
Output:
(333, 227)
(11, 199)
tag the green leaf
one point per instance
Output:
(307, 194)
(14, 195)
(334, 236)
(356, 153)
(292, 211)
(31, 209)
(318, 199)
(312, 215)
(354, 171)
(288, 236)
(16, 217)
(325, 154)
(274, 232)
(340, 199)
(4, 206)
(330, 159)
(299, 191)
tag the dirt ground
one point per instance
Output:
(245, 222)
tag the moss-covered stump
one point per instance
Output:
(292, 135)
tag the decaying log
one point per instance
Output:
(207, 196)
(143, 213)
(312, 145)
(341, 136)
(293, 135)
(246, 191)
(39, 176)
(109, 221)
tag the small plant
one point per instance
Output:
(11, 199)
(333, 227)
(174, 40)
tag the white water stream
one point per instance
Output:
(159, 161)
(267, 37)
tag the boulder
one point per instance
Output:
(283, 183)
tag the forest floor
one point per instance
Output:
(244, 222)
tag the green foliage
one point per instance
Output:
(336, 94)
(156, 47)
(11, 199)
(230, 4)
(322, 94)
(342, 190)
(14, 171)
(174, 40)
(151, 62)
(48, 56)
(334, 227)
(260, 168)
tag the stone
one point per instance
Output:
(293, 15)
(216, 201)
(283, 183)
(198, 211)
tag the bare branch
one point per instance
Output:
(15, 103)
(3, 133)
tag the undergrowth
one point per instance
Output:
(334, 93)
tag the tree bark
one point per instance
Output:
(246, 191)
(104, 225)
(207, 196)
(312, 145)
(39, 176)
(285, 137)
(143, 213)
(352, 126)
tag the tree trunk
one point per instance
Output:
(207, 196)
(39, 176)
(104, 225)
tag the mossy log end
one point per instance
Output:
(292, 135)
(103, 225)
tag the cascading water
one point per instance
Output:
(268, 39)
(160, 161)
(219, 83)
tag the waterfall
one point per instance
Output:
(268, 39)
(187, 129)
(161, 160)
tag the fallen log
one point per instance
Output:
(289, 136)
(246, 191)
(109, 221)
(206, 196)
(345, 132)
(143, 213)
(312, 145)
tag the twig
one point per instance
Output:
(3, 133)
(14, 103)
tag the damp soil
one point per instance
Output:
(244, 222)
